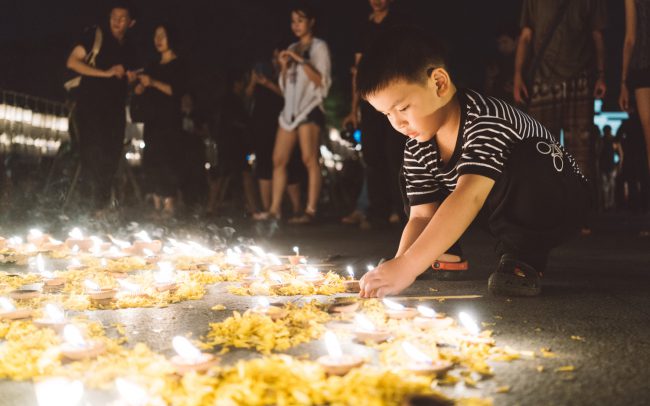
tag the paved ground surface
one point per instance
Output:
(596, 287)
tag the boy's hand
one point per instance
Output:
(389, 278)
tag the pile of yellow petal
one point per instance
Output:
(252, 330)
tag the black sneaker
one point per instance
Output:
(514, 278)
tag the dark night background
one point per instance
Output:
(216, 35)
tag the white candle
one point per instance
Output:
(90, 285)
(186, 350)
(54, 313)
(143, 236)
(76, 234)
(6, 304)
(131, 393)
(73, 337)
(296, 250)
(426, 311)
(415, 354)
(363, 323)
(333, 346)
(392, 305)
(58, 391)
(469, 323)
(350, 271)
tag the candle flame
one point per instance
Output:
(263, 302)
(350, 271)
(469, 323)
(58, 391)
(369, 267)
(214, 268)
(333, 346)
(142, 236)
(40, 263)
(103, 263)
(165, 274)
(76, 234)
(7, 304)
(363, 322)
(35, 233)
(120, 243)
(147, 252)
(90, 285)
(257, 251)
(75, 263)
(274, 259)
(238, 251)
(168, 250)
(129, 286)
(416, 354)
(296, 250)
(72, 335)
(132, 393)
(75, 249)
(15, 241)
(186, 350)
(54, 312)
(393, 305)
(426, 311)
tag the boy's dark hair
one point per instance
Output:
(304, 8)
(172, 35)
(399, 53)
(125, 4)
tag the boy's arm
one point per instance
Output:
(447, 225)
(419, 217)
(76, 63)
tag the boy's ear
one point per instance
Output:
(132, 23)
(440, 80)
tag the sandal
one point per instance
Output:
(514, 278)
(306, 218)
(264, 216)
(356, 217)
(451, 271)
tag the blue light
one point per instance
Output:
(357, 136)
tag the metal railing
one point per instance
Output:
(31, 125)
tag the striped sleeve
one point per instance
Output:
(421, 185)
(487, 146)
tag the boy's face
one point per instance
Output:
(120, 21)
(412, 108)
(160, 40)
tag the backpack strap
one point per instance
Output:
(97, 45)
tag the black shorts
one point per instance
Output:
(638, 78)
(315, 116)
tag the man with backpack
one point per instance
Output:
(102, 57)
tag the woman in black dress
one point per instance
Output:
(161, 86)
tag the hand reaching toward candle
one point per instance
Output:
(389, 278)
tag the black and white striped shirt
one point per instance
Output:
(489, 130)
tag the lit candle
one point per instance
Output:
(58, 391)
(430, 319)
(311, 275)
(164, 278)
(8, 310)
(422, 364)
(351, 285)
(130, 288)
(473, 329)
(48, 277)
(257, 251)
(365, 330)
(98, 294)
(75, 264)
(274, 260)
(264, 308)
(277, 280)
(337, 363)
(398, 311)
(77, 239)
(37, 237)
(131, 394)
(54, 317)
(295, 259)
(189, 357)
(76, 347)
(143, 241)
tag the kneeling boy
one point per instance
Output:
(467, 153)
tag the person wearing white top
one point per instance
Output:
(305, 79)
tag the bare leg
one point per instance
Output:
(157, 202)
(294, 196)
(309, 137)
(265, 193)
(249, 192)
(643, 107)
(285, 142)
